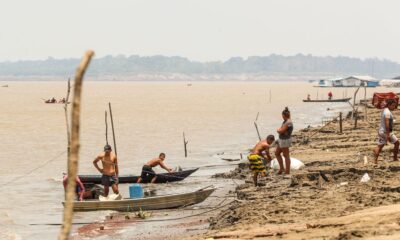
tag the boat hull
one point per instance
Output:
(161, 178)
(149, 203)
(333, 100)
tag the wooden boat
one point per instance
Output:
(161, 177)
(147, 203)
(327, 100)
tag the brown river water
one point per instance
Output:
(149, 118)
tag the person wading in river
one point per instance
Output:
(109, 171)
(148, 174)
(258, 154)
(284, 142)
(385, 132)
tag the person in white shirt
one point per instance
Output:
(385, 132)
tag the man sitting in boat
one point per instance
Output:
(258, 154)
(148, 174)
(109, 171)
(62, 100)
(80, 188)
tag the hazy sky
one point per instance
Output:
(202, 30)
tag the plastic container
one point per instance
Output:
(135, 191)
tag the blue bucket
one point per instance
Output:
(135, 191)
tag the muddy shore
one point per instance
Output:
(324, 200)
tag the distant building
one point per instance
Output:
(356, 81)
(332, 82)
(352, 81)
(394, 82)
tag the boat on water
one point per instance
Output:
(327, 100)
(161, 177)
(146, 203)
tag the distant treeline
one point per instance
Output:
(122, 65)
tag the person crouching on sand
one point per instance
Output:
(257, 154)
(284, 141)
(385, 132)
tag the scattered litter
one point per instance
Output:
(365, 161)
(365, 178)
(295, 164)
(110, 197)
(343, 184)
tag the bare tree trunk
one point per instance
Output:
(74, 153)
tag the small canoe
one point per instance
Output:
(327, 100)
(161, 177)
(147, 203)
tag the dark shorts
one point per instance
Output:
(109, 180)
(147, 173)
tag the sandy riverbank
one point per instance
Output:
(326, 199)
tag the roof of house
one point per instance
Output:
(363, 78)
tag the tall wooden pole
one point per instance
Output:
(258, 133)
(112, 127)
(66, 119)
(74, 153)
(105, 112)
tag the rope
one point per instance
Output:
(33, 170)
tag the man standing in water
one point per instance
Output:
(257, 154)
(148, 174)
(109, 170)
(385, 132)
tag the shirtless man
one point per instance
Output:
(257, 154)
(148, 174)
(109, 170)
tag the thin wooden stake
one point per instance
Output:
(270, 96)
(258, 133)
(365, 102)
(74, 154)
(340, 122)
(255, 124)
(355, 118)
(112, 128)
(258, 113)
(354, 100)
(66, 119)
(185, 144)
(105, 112)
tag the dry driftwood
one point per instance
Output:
(74, 151)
